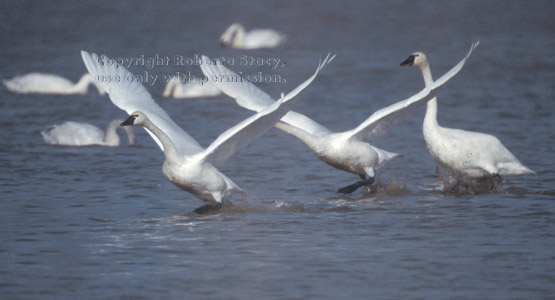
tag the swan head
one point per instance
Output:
(417, 59)
(136, 118)
(225, 40)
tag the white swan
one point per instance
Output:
(82, 134)
(350, 150)
(42, 83)
(188, 165)
(237, 37)
(191, 89)
(473, 154)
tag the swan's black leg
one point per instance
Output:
(370, 180)
(208, 208)
(353, 187)
(350, 188)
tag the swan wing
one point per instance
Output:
(240, 135)
(384, 119)
(249, 96)
(130, 96)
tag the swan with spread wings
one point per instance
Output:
(187, 164)
(349, 150)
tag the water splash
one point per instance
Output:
(460, 185)
(393, 188)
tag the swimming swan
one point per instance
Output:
(42, 83)
(350, 150)
(82, 134)
(237, 37)
(473, 154)
(188, 165)
(191, 89)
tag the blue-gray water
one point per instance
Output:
(103, 223)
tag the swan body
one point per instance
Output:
(190, 173)
(82, 134)
(188, 165)
(42, 83)
(341, 151)
(192, 89)
(472, 154)
(238, 38)
(350, 150)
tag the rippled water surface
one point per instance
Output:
(103, 223)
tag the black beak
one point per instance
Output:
(223, 43)
(129, 121)
(409, 61)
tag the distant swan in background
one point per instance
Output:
(191, 89)
(42, 83)
(188, 165)
(476, 155)
(82, 134)
(350, 150)
(237, 37)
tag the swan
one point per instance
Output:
(238, 38)
(349, 150)
(191, 89)
(473, 154)
(187, 164)
(42, 83)
(82, 134)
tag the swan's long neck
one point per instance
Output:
(238, 35)
(169, 147)
(305, 137)
(82, 86)
(170, 88)
(430, 120)
(112, 138)
(130, 135)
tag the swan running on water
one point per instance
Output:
(192, 89)
(188, 165)
(82, 134)
(238, 38)
(41, 83)
(473, 154)
(350, 150)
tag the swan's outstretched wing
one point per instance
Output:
(130, 96)
(243, 133)
(384, 119)
(249, 96)
(240, 135)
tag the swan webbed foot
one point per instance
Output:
(353, 187)
(208, 208)
(350, 188)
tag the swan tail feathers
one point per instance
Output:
(514, 169)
